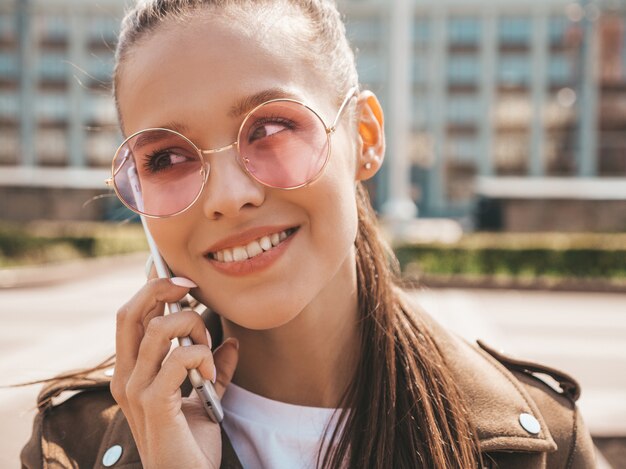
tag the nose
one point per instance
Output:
(229, 190)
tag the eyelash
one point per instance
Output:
(274, 120)
(148, 163)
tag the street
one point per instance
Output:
(50, 329)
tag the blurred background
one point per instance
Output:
(503, 191)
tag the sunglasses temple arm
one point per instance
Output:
(204, 388)
(352, 92)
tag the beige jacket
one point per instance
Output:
(522, 422)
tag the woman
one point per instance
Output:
(318, 355)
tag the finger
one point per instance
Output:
(225, 358)
(133, 317)
(158, 291)
(176, 366)
(156, 343)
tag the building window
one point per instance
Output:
(53, 67)
(462, 148)
(420, 70)
(463, 109)
(7, 29)
(514, 70)
(463, 69)
(514, 31)
(102, 32)
(420, 111)
(421, 32)
(52, 30)
(511, 150)
(52, 108)
(559, 70)
(99, 147)
(8, 66)
(558, 27)
(464, 31)
(9, 144)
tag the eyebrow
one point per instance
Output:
(146, 138)
(241, 107)
(247, 103)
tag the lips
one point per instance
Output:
(251, 249)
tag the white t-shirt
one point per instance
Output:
(272, 434)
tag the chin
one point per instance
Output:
(254, 316)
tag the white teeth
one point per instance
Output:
(265, 243)
(252, 249)
(240, 254)
(228, 255)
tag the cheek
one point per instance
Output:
(170, 236)
(339, 196)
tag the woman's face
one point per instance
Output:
(190, 76)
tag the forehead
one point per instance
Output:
(207, 60)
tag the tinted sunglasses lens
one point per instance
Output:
(169, 170)
(283, 144)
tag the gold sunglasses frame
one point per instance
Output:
(352, 93)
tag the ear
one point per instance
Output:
(371, 151)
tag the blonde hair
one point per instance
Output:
(325, 40)
(405, 409)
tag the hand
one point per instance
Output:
(170, 430)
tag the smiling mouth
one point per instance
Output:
(252, 249)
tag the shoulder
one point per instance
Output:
(554, 394)
(77, 423)
(525, 413)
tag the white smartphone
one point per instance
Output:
(204, 388)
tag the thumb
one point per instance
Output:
(225, 358)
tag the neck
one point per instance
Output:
(311, 360)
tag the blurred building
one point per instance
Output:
(517, 109)
(508, 104)
(57, 119)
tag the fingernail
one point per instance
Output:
(183, 282)
(208, 338)
(234, 341)
(214, 379)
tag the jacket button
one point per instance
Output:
(112, 455)
(530, 424)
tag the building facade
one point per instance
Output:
(502, 94)
(476, 92)
(57, 118)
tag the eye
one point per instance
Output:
(161, 160)
(268, 127)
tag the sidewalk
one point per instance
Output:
(52, 274)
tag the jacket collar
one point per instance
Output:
(495, 398)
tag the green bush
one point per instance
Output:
(520, 256)
(39, 243)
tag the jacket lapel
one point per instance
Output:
(496, 399)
